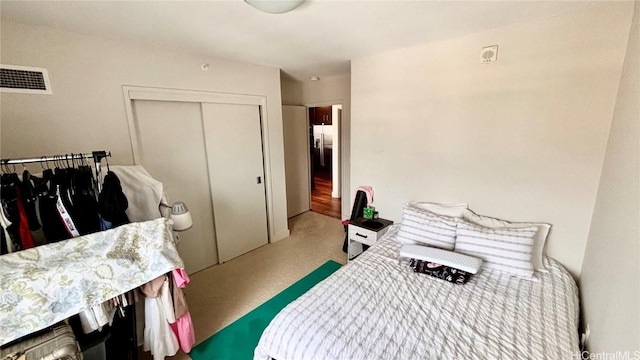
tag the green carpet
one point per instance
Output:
(238, 340)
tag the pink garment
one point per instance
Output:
(181, 278)
(183, 328)
(369, 191)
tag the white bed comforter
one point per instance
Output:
(377, 308)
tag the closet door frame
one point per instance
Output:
(132, 93)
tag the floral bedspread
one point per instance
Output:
(47, 284)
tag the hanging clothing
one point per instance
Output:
(76, 197)
(4, 249)
(6, 239)
(183, 329)
(85, 207)
(64, 214)
(145, 194)
(183, 326)
(26, 238)
(368, 190)
(159, 339)
(52, 224)
(8, 194)
(112, 203)
(29, 201)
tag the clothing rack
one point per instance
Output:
(97, 157)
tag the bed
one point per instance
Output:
(376, 307)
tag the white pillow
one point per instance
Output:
(422, 226)
(455, 210)
(539, 240)
(504, 249)
(452, 259)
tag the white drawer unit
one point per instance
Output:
(365, 232)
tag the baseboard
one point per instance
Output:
(281, 235)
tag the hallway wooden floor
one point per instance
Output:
(321, 200)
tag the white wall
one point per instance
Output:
(291, 90)
(86, 110)
(327, 91)
(610, 279)
(336, 175)
(522, 138)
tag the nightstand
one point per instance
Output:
(364, 232)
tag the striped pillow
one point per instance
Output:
(504, 249)
(452, 210)
(538, 240)
(422, 226)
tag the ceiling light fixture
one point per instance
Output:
(314, 78)
(275, 6)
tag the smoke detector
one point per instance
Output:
(489, 54)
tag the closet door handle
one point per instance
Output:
(259, 180)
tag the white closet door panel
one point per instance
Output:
(296, 159)
(233, 140)
(173, 151)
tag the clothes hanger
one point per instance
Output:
(43, 159)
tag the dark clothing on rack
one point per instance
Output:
(61, 204)
(29, 201)
(52, 225)
(14, 209)
(14, 236)
(112, 202)
(85, 207)
(3, 243)
(10, 208)
(26, 238)
(85, 214)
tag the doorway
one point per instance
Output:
(324, 131)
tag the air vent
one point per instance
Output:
(24, 79)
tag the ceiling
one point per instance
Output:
(318, 38)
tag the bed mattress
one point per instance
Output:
(376, 307)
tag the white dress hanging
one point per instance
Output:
(158, 337)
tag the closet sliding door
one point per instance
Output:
(171, 143)
(233, 141)
(209, 155)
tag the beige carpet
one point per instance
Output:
(221, 294)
